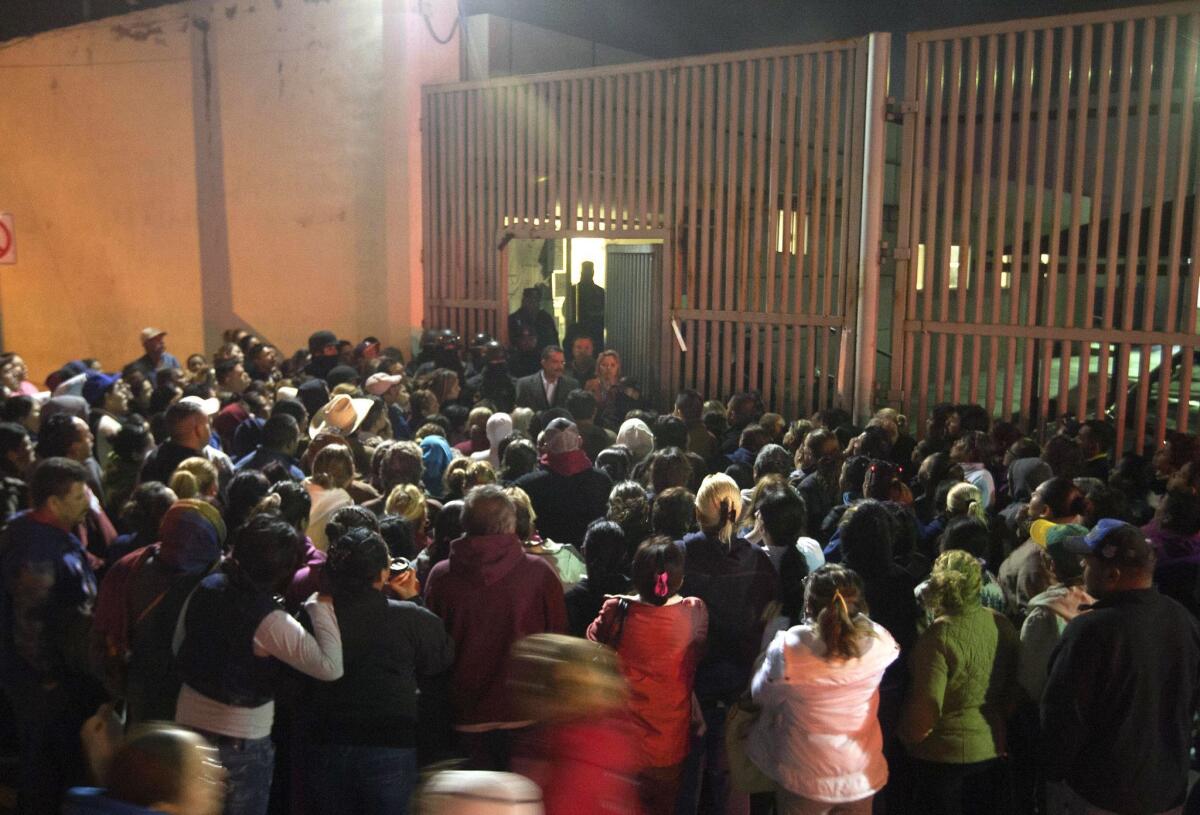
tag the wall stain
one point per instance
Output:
(231, 12)
(278, 3)
(54, 83)
(138, 32)
(202, 25)
(279, 71)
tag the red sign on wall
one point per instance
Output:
(8, 239)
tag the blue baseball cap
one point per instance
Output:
(1112, 541)
(96, 385)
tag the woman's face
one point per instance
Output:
(453, 390)
(33, 420)
(608, 368)
(8, 376)
(20, 371)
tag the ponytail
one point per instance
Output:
(834, 597)
(718, 502)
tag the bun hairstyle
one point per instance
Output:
(195, 477)
(966, 499)
(658, 570)
(354, 561)
(834, 600)
(718, 503)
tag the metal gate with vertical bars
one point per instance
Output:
(1047, 214)
(750, 163)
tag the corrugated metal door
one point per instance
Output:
(633, 313)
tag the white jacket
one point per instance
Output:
(818, 735)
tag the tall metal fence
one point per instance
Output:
(749, 167)
(1048, 178)
(1048, 171)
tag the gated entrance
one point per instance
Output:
(1048, 178)
(1047, 169)
(748, 165)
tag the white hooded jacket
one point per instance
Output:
(818, 735)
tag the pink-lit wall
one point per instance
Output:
(201, 165)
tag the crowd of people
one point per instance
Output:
(253, 583)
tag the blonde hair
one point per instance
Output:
(526, 517)
(718, 502)
(333, 466)
(966, 499)
(954, 584)
(193, 478)
(407, 501)
(521, 418)
(462, 474)
(455, 475)
(478, 417)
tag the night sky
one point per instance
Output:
(656, 28)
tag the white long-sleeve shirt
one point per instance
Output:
(279, 635)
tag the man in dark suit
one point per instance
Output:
(548, 387)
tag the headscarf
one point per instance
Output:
(436, 454)
(191, 534)
(635, 435)
(71, 405)
(499, 428)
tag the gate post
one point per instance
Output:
(871, 229)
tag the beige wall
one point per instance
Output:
(252, 162)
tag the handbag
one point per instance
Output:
(744, 773)
(622, 613)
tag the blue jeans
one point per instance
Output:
(250, 764)
(359, 780)
(706, 786)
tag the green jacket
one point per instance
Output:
(964, 682)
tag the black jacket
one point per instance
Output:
(566, 504)
(386, 646)
(1118, 704)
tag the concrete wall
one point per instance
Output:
(204, 165)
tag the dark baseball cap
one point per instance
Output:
(321, 340)
(1112, 541)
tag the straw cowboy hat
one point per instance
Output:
(342, 413)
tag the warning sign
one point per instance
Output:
(8, 239)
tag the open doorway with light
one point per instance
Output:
(606, 289)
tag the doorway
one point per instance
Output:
(628, 274)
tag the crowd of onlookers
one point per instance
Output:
(250, 583)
